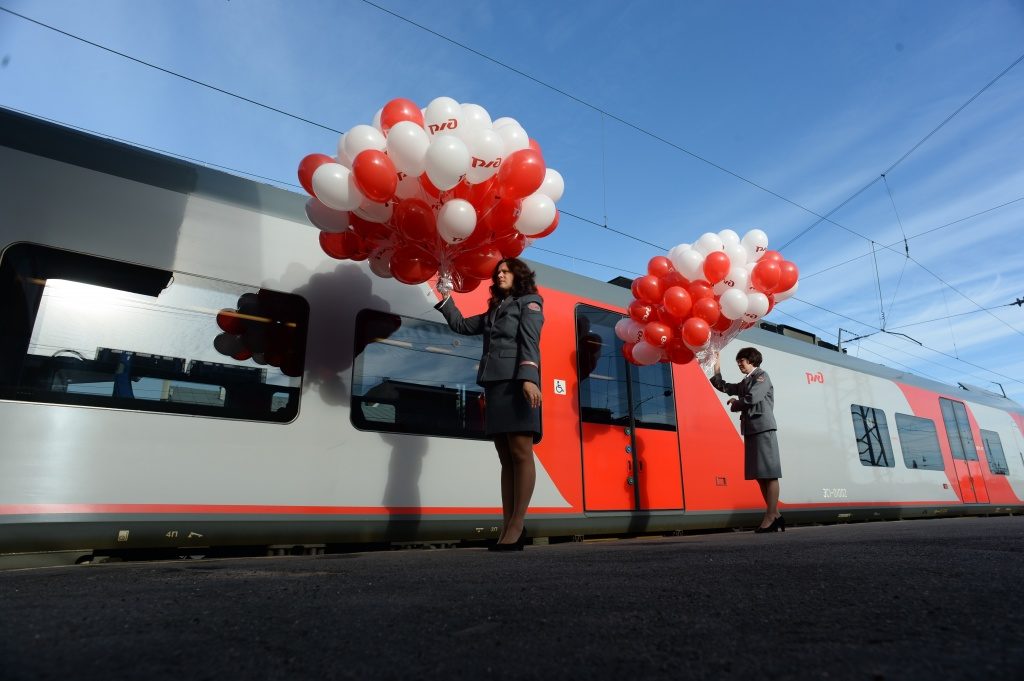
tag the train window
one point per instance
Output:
(414, 376)
(958, 430)
(872, 433)
(84, 330)
(609, 384)
(994, 453)
(920, 443)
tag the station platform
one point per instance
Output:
(920, 599)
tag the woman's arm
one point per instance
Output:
(531, 320)
(473, 326)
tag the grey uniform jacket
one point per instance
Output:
(511, 334)
(755, 400)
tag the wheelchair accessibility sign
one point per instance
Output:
(559, 386)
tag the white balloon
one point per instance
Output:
(645, 353)
(474, 117)
(335, 186)
(447, 161)
(360, 138)
(622, 329)
(676, 251)
(756, 243)
(371, 211)
(729, 237)
(514, 137)
(376, 120)
(409, 187)
(757, 306)
(690, 264)
(485, 150)
(342, 157)
(442, 117)
(737, 278)
(535, 215)
(407, 145)
(708, 242)
(635, 332)
(788, 293)
(503, 121)
(737, 254)
(456, 220)
(327, 219)
(734, 303)
(553, 185)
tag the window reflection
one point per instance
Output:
(97, 332)
(872, 433)
(919, 441)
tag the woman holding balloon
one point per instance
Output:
(510, 375)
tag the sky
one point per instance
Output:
(666, 120)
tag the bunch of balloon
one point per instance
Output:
(267, 328)
(440, 191)
(696, 299)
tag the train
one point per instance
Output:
(125, 430)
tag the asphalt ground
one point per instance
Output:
(921, 599)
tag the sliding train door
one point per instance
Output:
(966, 465)
(630, 444)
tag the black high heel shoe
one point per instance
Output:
(778, 525)
(517, 545)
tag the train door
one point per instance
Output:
(966, 465)
(630, 444)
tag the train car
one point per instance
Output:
(350, 413)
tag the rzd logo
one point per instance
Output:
(481, 163)
(450, 124)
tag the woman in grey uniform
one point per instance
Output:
(754, 399)
(510, 375)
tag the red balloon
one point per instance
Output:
(696, 332)
(429, 187)
(375, 175)
(502, 217)
(242, 355)
(342, 245)
(398, 110)
(770, 256)
(706, 309)
(640, 311)
(771, 302)
(521, 174)
(229, 321)
(788, 274)
(678, 302)
(412, 265)
(674, 278)
(647, 289)
(657, 334)
(374, 234)
(308, 166)
(415, 220)
(627, 352)
(765, 275)
(479, 263)
(511, 245)
(678, 353)
(716, 266)
(659, 266)
(228, 344)
(700, 289)
(465, 284)
(535, 145)
(722, 325)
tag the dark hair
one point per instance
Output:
(751, 355)
(523, 280)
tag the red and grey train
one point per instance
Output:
(352, 415)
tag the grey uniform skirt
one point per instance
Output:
(761, 456)
(507, 410)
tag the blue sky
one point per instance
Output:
(666, 120)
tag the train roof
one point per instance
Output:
(69, 145)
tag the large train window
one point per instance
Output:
(872, 433)
(84, 330)
(994, 453)
(958, 430)
(919, 442)
(609, 384)
(414, 376)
